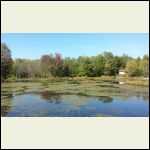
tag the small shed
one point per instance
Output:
(122, 72)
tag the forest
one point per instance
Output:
(50, 65)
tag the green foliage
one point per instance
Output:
(95, 66)
(23, 68)
(6, 61)
(144, 65)
(58, 66)
(98, 66)
(138, 67)
(109, 64)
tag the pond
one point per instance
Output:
(68, 100)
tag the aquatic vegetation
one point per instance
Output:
(138, 83)
(74, 82)
(84, 88)
(82, 94)
(4, 110)
(72, 99)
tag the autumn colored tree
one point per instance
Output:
(94, 66)
(46, 62)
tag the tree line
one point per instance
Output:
(54, 65)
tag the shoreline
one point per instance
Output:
(139, 81)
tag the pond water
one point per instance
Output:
(50, 104)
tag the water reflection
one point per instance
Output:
(105, 99)
(44, 103)
(6, 104)
(107, 86)
(5, 96)
(5, 110)
(51, 97)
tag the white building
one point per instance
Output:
(122, 72)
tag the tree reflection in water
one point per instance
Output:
(105, 99)
(5, 110)
(5, 96)
(51, 97)
(6, 104)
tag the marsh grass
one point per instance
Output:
(82, 94)
(79, 80)
(83, 86)
(138, 82)
(74, 82)
(77, 92)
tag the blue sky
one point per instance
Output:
(33, 45)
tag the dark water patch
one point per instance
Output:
(114, 82)
(107, 81)
(99, 81)
(74, 101)
(73, 82)
(144, 97)
(5, 110)
(51, 97)
(3, 91)
(5, 96)
(111, 81)
(112, 90)
(105, 85)
(82, 94)
(66, 93)
(53, 104)
(24, 81)
(105, 99)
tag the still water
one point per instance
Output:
(45, 104)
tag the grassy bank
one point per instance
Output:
(89, 88)
(139, 81)
(61, 79)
